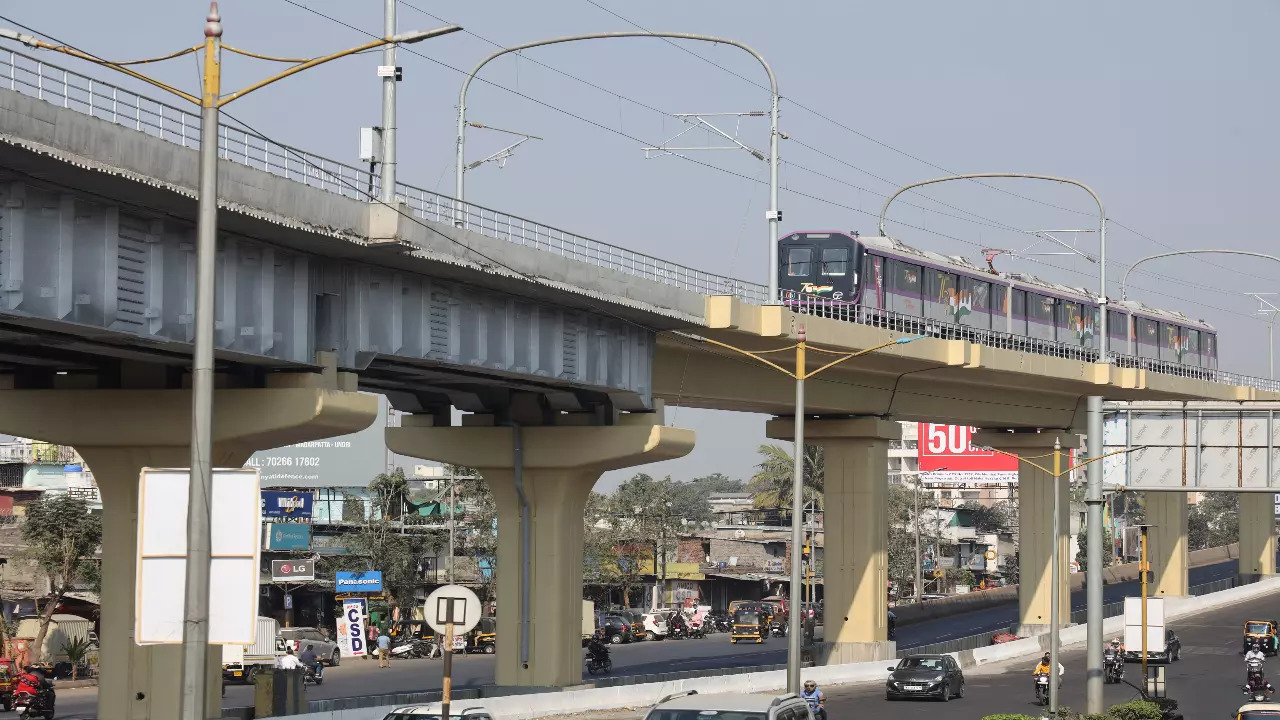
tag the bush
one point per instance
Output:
(1136, 710)
(1007, 716)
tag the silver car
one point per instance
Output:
(299, 638)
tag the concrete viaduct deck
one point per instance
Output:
(554, 343)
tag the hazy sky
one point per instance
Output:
(1165, 108)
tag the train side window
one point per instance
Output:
(799, 262)
(1192, 346)
(906, 278)
(1019, 303)
(1118, 325)
(1040, 309)
(835, 262)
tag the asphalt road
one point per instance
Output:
(358, 677)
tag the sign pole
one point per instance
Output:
(446, 686)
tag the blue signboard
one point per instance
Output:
(288, 536)
(363, 581)
(287, 506)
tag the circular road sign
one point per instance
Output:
(939, 574)
(460, 601)
(991, 554)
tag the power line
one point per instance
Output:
(887, 146)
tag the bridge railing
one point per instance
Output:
(66, 88)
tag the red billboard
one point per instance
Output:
(948, 450)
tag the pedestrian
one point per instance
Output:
(384, 651)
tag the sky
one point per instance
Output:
(1165, 108)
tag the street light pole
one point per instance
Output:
(1269, 309)
(1093, 556)
(195, 634)
(1054, 574)
(774, 216)
(387, 193)
(799, 374)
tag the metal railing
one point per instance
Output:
(30, 76)
(33, 77)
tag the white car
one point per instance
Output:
(655, 624)
(461, 710)
(692, 706)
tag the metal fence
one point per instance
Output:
(1110, 610)
(33, 77)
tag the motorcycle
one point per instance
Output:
(312, 676)
(1042, 688)
(599, 662)
(403, 648)
(777, 628)
(722, 622)
(39, 705)
(698, 630)
(1113, 667)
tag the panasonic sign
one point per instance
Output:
(366, 581)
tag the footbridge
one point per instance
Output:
(555, 345)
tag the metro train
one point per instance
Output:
(882, 281)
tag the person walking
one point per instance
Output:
(384, 650)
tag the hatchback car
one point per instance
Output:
(616, 629)
(1172, 650)
(299, 638)
(692, 706)
(926, 676)
(431, 711)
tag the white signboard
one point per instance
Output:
(459, 601)
(351, 630)
(162, 563)
(1191, 447)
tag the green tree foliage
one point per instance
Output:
(772, 484)
(384, 541)
(1214, 521)
(997, 518)
(902, 538)
(718, 483)
(477, 533)
(62, 537)
(76, 650)
(1108, 548)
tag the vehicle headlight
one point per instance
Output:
(938, 679)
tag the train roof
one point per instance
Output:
(893, 246)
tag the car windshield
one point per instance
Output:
(1257, 628)
(707, 715)
(1255, 714)
(920, 664)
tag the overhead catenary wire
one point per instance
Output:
(897, 150)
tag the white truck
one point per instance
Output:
(1157, 648)
(242, 663)
(588, 620)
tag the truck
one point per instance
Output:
(588, 620)
(1156, 646)
(242, 663)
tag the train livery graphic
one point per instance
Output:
(882, 281)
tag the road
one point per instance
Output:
(356, 677)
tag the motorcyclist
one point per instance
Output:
(1113, 655)
(597, 650)
(1255, 653)
(1044, 668)
(308, 659)
(817, 701)
(288, 661)
(35, 684)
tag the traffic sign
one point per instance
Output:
(939, 574)
(461, 601)
(991, 555)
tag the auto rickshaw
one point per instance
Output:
(1264, 633)
(749, 624)
(484, 638)
(7, 672)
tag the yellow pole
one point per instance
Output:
(1143, 568)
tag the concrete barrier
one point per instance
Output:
(583, 699)
(983, 599)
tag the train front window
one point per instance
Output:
(799, 262)
(835, 262)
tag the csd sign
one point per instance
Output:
(355, 628)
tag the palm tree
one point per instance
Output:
(771, 485)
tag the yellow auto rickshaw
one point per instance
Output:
(749, 624)
(1262, 632)
(484, 638)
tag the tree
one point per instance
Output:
(1108, 548)
(76, 650)
(718, 483)
(989, 519)
(62, 537)
(478, 536)
(1214, 521)
(901, 545)
(772, 484)
(383, 543)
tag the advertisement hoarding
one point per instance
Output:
(351, 629)
(344, 461)
(289, 506)
(293, 570)
(361, 581)
(287, 536)
(947, 455)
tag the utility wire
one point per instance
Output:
(897, 150)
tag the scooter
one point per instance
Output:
(312, 676)
(39, 705)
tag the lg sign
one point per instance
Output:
(950, 448)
